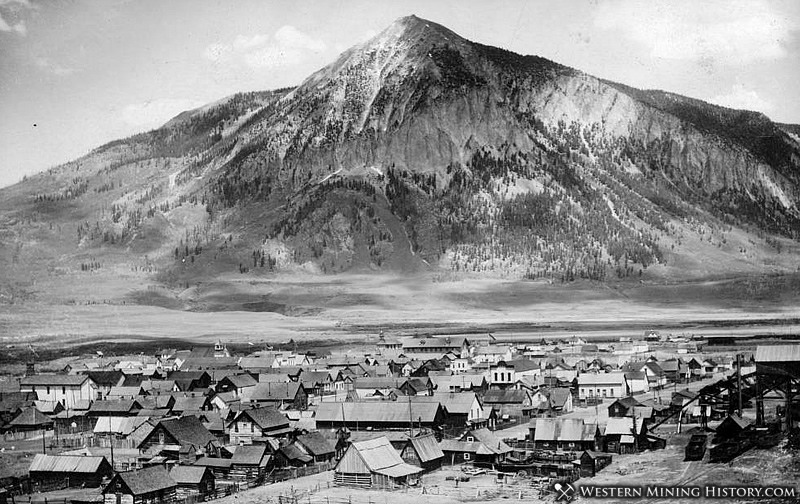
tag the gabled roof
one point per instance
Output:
(386, 411)
(273, 391)
(106, 378)
(265, 418)
(125, 392)
(250, 455)
(213, 462)
(115, 406)
(363, 383)
(559, 396)
(53, 380)
(316, 443)
(79, 464)
(143, 481)
(427, 448)
(615, 378)
(380, 457)
(563, 429)
(187, 430)
(490, 444)
(507, 396)
(455, 403)
(188, 475)
(292, 452)
(241, 380)
(122, 426)
(623, 426)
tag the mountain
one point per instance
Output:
(420, 150)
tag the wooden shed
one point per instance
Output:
(249, 463)
(424, 452)
(374, 464)
(195, 481)
(151, 485)
(592, 462)
(69, 470)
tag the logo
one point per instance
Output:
(564, 491)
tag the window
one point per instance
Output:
(604, 392)
(160, 438)
(611, 392)
(252, 428)
(470, 439)
(48, 389)
(63, 390)
(236, 427)
(466, 456)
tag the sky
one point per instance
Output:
(75, 74)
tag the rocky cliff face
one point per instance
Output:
(419, 148)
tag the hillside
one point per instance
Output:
(416, 152)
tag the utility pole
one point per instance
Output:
(739, 380)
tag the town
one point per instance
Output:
(450, 416)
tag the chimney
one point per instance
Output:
(30, 368)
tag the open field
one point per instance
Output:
(352, 308)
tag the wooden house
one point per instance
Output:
(625, 435)
(385, 415)
(424, 452)
(317, 446)
(255, 425)
(250, 463)
(563, 434)
(75, 470)
(236, 384)
(509, 403)
(66, 389)
(289, 455)
(289, 395)
(30, 420)
(120, 407)
(219, 467)
(171, 435)
(478, 446)
(190, 380)
(151, 485)
(374, 464)
(196, 482)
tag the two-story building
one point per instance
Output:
(69, 390)
(598, 386)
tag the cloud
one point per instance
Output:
(742, 98)
(289, 46)
(734, 32)
(53, 67)
(154, 113)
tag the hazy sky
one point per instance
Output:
(77, 73)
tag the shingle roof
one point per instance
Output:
(316, 443)
(188, 474)
(30, 417)
(53, 380)
(266, 418)
(189, 430)
(292, 452)
(455, 403)
(142, 481)
(123, 405)
(490, 444)
(273, 391)
(67, 464)
(122, 426)
(249, 454)
(508, 396)
(213, 462)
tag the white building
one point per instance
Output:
(66, 389)
(602, 385)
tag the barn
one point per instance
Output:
(374, 464)
(71, 470)
(151, 485)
